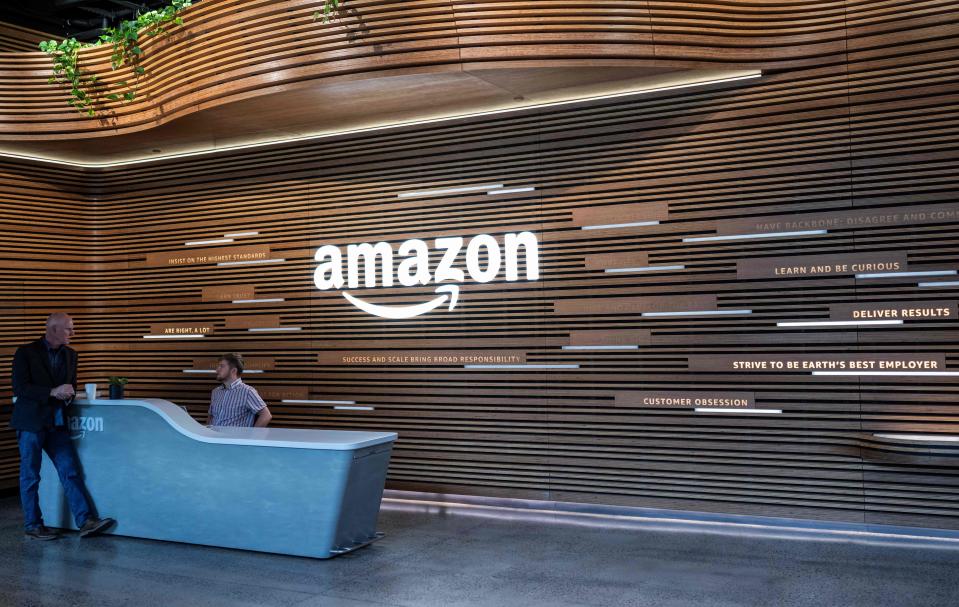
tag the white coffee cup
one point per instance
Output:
(91, 390)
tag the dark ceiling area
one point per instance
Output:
(82, 19)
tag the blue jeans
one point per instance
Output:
(57, 444)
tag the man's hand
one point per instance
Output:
(263, 418)
(63, 392)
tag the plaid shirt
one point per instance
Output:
(235, 405)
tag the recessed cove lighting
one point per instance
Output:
(712, 79)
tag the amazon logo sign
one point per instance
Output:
(410, 267)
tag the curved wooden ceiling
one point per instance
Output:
(273, 57)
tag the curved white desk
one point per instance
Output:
(164, 476)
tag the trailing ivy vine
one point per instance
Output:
(87, 90)
(67, 70)
(125, 40)
(330, 9)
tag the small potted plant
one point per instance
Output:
(116, 387)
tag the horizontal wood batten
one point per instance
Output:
(852, 129)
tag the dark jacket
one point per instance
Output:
(32, 381)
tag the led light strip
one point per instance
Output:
(906, 274)
(521, 366)
(460, 190)
(932, 438)
(239, 234)
(249, 263)
(892, 373)
(610, 226)
(838, 323)
(747, 236)
(510, 191)
(733, 77)
(742, 527)
(350, 408)
(245, 371)
(214, 241)
(945, 283)
(644, 269)
(724, 410)
(698, 313)
(298, 401)
(601, 347)
(182, 336)
(248, 301)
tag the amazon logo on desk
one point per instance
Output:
(414, 268)
(80, 425)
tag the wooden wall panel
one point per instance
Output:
(904, 146)
(231, 50)
(46, 235)
(716, 245)
(19, 39)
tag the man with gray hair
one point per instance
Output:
(44, 384)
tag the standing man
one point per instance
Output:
(44, 383)
(234, 403)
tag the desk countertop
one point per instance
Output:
(182, 422)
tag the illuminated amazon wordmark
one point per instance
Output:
(413, 255)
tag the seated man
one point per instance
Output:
(234, 403)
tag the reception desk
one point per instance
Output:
(164, 476)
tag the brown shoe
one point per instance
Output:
(42, 533)
(95, 526)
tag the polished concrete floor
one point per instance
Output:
(450, 557)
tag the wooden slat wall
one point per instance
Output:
(18, 39)
(228, 50)
(862, 128)
(45, 236)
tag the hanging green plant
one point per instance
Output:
(329, 11)
(67, 70)
(86, 89)
(125, 40)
